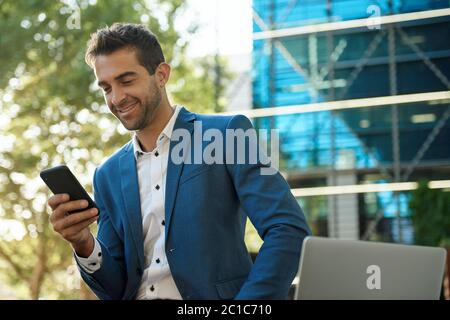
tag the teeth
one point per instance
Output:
(127, 108)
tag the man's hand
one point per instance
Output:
(74, 228)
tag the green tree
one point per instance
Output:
(52, 113)
(430, 214)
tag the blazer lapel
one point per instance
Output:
(184, 121)
(131, 198)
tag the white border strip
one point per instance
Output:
(350, 24)
(366, 188)
(343, 104)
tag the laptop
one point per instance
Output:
(361, 270)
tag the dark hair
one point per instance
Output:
(123, 35)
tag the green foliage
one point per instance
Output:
(430, 214)
(50, 114)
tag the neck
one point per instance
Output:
(147, 136)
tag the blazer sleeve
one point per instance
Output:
(276, 215)
(109, 282)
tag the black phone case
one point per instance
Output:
(61, 180)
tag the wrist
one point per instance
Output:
(84, 248)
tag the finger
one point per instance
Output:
(73, 219)
(64, 208)
(81, 216)
(75, 229)
(55, 200)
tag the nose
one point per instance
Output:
(117, 96)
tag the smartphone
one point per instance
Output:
(61, 180)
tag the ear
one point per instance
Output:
(162, 74)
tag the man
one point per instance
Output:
(170, 230)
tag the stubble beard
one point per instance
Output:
(149, 107)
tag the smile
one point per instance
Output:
(127, 109)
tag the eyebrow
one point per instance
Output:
(119, 77)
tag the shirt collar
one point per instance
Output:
(165, 133)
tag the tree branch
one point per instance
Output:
(17, 268)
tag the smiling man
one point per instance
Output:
(169, 230)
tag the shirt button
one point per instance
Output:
(163, 223)
(152, 288)
(156, 154)
(99, 254)
(158, 261)
(157, 187)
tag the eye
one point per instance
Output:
(127, 82)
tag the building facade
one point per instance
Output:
(377, 75)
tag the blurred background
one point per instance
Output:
(359, 91)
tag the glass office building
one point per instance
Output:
(379, 73)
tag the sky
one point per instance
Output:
(233, 20)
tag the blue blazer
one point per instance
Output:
(205, 212)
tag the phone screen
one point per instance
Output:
(61, 180)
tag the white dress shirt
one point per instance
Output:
(157, 281)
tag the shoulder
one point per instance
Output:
(112, 162)
(223, 122)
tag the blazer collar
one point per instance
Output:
(184, 121)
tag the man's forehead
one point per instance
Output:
(107, 67)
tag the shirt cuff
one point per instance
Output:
(94, 261)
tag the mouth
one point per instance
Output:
(128, 109)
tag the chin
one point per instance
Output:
(130, 126)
